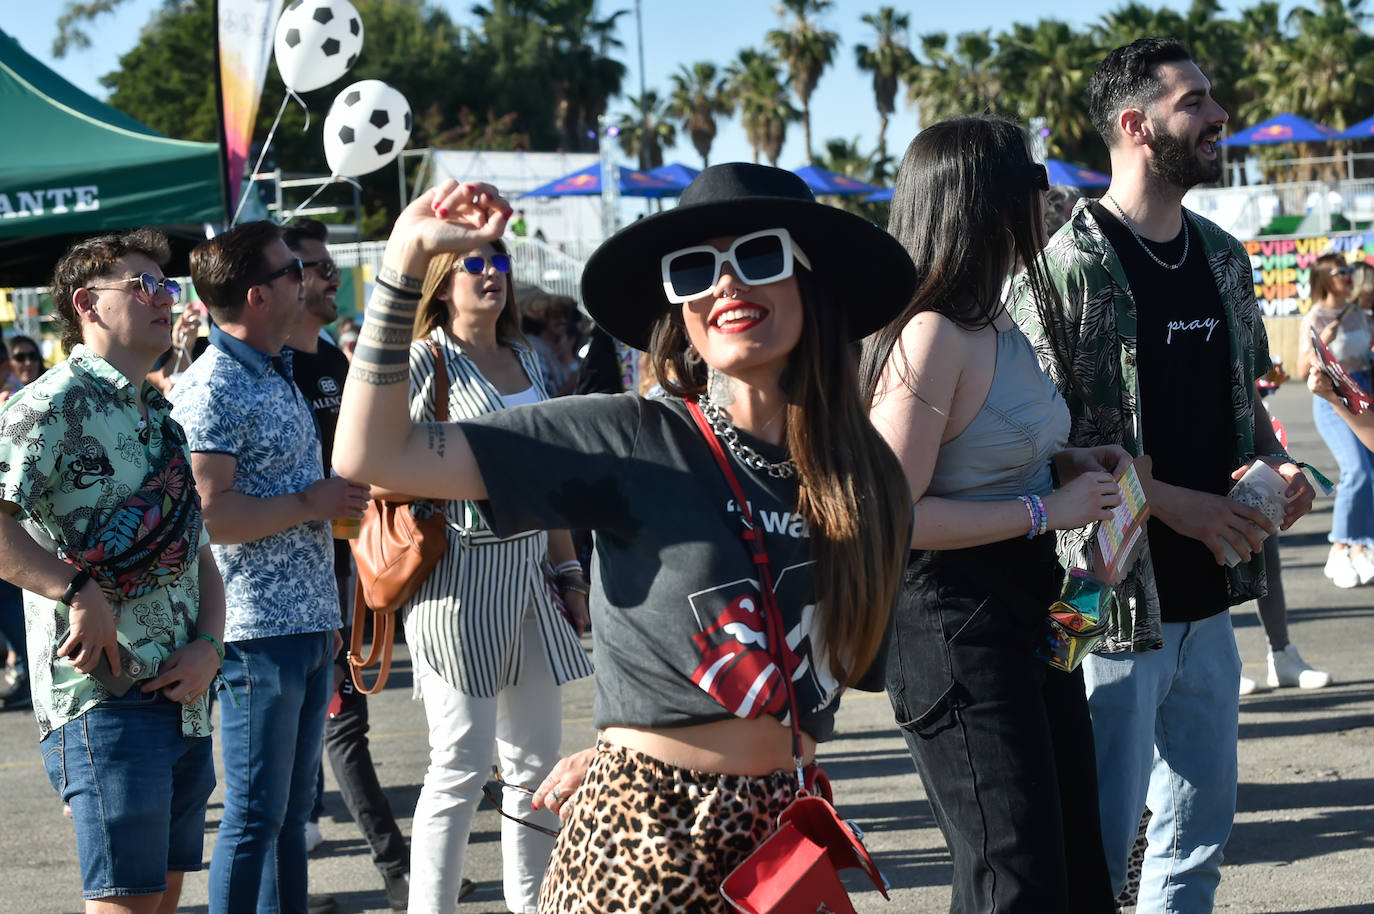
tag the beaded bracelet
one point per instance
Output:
(1042, 516)
(1030, 509)
(570, 565)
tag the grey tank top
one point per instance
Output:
(1006, 449)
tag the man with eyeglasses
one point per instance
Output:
(320, 369)
(268, 506)
(101, 526)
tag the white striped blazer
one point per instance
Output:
(465, 620)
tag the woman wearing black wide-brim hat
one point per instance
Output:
(747, 296)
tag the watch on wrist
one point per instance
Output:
(77, 582)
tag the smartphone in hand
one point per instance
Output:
(130, 671)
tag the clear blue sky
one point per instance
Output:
(675, 32)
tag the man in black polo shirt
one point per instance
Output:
(1160, 312)
(319, 369)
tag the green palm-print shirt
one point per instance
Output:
(70, 454)
(1099, 315)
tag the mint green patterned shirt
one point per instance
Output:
(70, 454)
(1099, 315)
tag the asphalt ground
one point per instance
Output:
(1303, 838)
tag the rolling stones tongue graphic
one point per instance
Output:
(736, 669)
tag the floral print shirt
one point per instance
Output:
(1100, 324)
(73, 448)
(238, 401)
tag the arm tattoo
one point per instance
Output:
(401, 281)
(437, 437)
(359, 372)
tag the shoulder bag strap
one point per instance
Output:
(440, 382)
(753, 540)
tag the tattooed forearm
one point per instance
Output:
(437, 437)
(367, 375)
(391, 276)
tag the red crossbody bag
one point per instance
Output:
(796, 868)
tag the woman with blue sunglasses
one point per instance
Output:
(747, 297)
(489, 647)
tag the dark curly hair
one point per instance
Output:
(1126, 78)
(89, 260)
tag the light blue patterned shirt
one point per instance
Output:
(239, 401)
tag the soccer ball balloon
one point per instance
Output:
(367, 126)
(317, 42)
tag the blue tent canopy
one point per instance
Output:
(822, 181)
(1067, 174)
(882, 195)
(1282, 128)
(676, 172)
(587, 183)
(1364, 130)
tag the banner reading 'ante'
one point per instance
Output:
(1283, 267)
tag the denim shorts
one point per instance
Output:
(137, 789)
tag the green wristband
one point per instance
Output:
(214, 642)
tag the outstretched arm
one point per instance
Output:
(376, 440)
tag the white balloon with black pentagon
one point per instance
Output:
(317, 42)
(367, 126)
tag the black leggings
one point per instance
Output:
(1002, 741)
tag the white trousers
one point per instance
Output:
(522, 727)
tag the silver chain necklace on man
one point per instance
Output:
(1153, 256)
(729, 435)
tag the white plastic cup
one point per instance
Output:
(1264, 489)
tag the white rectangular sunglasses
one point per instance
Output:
(757, 258)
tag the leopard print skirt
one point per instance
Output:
(647, 836)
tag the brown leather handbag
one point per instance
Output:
(395, 550)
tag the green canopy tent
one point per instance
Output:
(72, 166)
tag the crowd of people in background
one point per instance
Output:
(955, 394)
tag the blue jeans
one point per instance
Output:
(1352, 515)
(1166, 723)
(271, 732)
(137, 788)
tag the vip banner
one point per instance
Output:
(1283, 267)
(245, 35)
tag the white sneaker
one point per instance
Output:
(314, 839)
(1341, 570)
(1287, 668)
(1363, 563)
(1248, 686)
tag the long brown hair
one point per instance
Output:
(1321, 277)
(433, 310)
(852, 491)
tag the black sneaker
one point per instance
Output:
(20, 697)
(397, 890)
(322, 904)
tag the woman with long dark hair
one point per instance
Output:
(1002, 740)
(744, 295)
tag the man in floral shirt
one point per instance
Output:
(101, 527)
(1165, 341)
(256, 457)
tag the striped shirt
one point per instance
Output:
(465, 620)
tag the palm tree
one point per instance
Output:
(755, 84)
(644, 130)
(697, 97)
(1052, 63)
(807, 49)
(844, 157)
(962, 80)
(887, 61)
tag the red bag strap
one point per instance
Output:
(772, 615)
(440, 382)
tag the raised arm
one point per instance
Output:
(376, 441)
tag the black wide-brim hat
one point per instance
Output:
(868, 273)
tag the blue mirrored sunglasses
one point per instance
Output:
(148, 284)
(477, 265)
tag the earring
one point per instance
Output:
(693, 357)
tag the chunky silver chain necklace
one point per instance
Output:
(1153, 256)
(727, 433)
